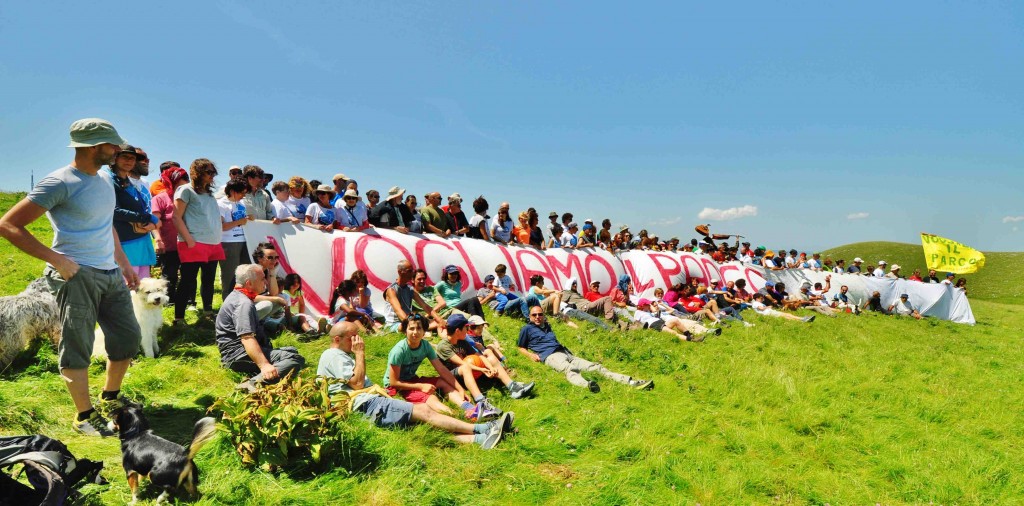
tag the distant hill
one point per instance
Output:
(999, 280)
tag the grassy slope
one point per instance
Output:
(999, 280)
(847, 411)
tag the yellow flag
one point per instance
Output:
(943, 254)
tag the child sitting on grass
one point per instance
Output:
(296, 316)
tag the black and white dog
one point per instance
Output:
(168, 465)
(27, 316)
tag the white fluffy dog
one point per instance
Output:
(148, 301)
(27, 316)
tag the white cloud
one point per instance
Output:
(664, 222)
(732, 213)
(857, 216)
(1013, 219)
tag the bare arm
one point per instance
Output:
(179, 223)
(529, 354)
(252, 348)
(393, 381)
(359, 373)
(13, 228)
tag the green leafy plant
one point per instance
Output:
(291, 423)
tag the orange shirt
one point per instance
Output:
(522, 234)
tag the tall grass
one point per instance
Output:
(852, 410)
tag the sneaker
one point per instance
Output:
(495, 432)
(696, 338)
(593, 386)
(95, 425)
(518, 390)
(810, 318)
(506, 421)
(717, 332)
(641, 384)
(487, 411)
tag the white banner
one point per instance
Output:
(325, 259)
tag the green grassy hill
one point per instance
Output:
(999, 280)
(851, 410)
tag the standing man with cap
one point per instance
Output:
(855, 268)
(86, 269)
(894, 272)
(553, 217)
(340, 185)
(879, 271)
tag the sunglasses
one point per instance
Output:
(536, 314)
(272, 257)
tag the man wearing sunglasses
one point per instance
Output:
(538, 343)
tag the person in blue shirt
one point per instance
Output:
(538, 343)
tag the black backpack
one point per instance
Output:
(51, 471)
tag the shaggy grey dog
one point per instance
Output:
(27, 316)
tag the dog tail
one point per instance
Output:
(203, 432)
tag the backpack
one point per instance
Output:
(50, 469)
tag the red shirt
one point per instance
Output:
(693, 304)
(592, 296)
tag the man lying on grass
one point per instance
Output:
(400, 378)
(469, 366)
(346, 360)
(538, 342)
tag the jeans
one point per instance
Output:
(576, 314)
(503, 300)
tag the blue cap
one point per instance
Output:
(950, 274)
(488, 278)
(451, 269)
(587, 226)
(456, 321)
(904, 296)
(769, 283)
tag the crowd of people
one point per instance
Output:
(110, 228)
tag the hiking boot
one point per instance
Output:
(321, 325)
(641, 384)
(696, 338)
(95, 425)
(518, 390)
(622, 325)
(487, 411)
(593, 386)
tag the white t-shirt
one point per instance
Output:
(791, 262)
(320, 216)
(231, 211)
(878, 273)
(814, 264)
(503, 282)
(297, 206)
(281, 211)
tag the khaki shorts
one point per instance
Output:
(94, 296)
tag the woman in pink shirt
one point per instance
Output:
(167, 238)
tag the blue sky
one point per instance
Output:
(838, 123)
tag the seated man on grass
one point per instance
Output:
(462, 359)
(400, 378)
(538, 343)
(243, 342)
(759, 307)
(653, 319)
(345, 360)
(903, 307)
(578, 307)
(401, 299)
